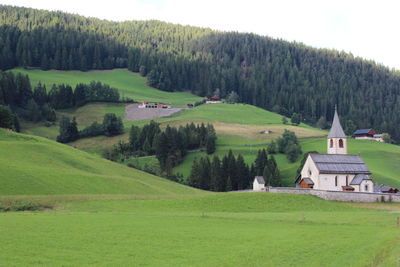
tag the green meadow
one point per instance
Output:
(239, 127)
(129, 84)
(31, 165)
(227, 229)
(93, 212)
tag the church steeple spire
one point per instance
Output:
(337, 143)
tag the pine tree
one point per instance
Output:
(216, 179)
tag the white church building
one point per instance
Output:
(336, 170)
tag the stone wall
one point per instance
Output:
(339, 195)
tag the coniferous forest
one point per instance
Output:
(273, 74)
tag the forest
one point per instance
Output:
(280, 76)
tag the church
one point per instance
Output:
(336, 170)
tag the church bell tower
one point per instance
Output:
(337, 143)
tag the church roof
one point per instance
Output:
(359, 178)
(336, 129)
(339, 164)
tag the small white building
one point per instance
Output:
(336, 171)
(259, 184)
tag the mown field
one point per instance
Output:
(99, 213)
(226, 229)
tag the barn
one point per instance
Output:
(362, 133)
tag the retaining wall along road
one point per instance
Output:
(338, 195)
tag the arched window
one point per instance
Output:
(366, 188)
(335, 180)
(347, 180)
(331, 143)
(341, 143)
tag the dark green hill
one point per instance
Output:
(273, 74)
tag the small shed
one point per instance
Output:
(385, 189)
(259, 183)
(306, 183)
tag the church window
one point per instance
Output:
(335, 180)
(366, 188)
(340, 143)
(347, 180)
(309, 172)
(331, 143)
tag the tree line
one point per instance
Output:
(169, 145)
(39, 104)
(111, 126)
(280, 76)
(232, 173)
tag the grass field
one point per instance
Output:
(227, 229)
(129, 84)
(36, 166)
(101, 213)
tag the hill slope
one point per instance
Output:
(36, 166)
(273, 74)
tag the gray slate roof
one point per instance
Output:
(259, 179)
(340, 164)
(336, 129)
(359, 178)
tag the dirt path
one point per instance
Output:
(133, 113)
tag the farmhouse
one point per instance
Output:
(368, 134)
(154, 105)
(213, 100)
(336, 170)
(259, 184)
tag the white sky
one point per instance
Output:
(369, 29)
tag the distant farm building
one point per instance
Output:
(259, 184)
(368, 134)
(154, 105)
(385, 189)
(213, 100)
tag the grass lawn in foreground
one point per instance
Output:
(226, 229)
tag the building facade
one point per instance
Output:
(336, 170)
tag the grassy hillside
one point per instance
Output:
(36, 166)
(227, 229)
(239, 127)
(129, 84)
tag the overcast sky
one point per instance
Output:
(370, 29)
